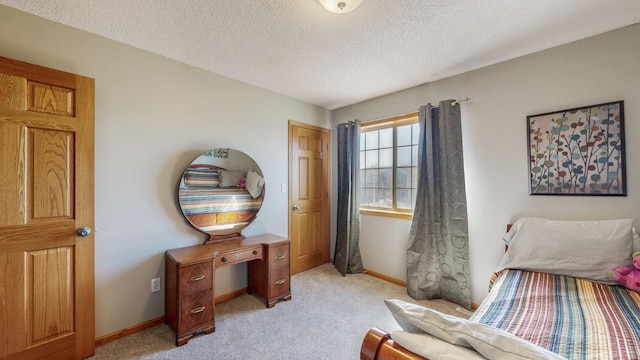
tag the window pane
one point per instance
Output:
(404, 135)
(371, 141)
(414, 155)
(386, 158)
(386, 138)
(403, 198)
(415, 133)
(371, 159)
(371, 178)
(386, 178)
(403, 178)
(414, 177)
(362, 163)
(363, 142)
(385, 198)
(403, 156)
(369, 197)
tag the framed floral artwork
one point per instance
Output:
(578, 151)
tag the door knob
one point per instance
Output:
(83, 231)
(296, 207)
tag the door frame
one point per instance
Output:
(291, 125)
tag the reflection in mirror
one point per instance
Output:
(220, 193)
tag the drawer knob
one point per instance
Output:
(280, 282)
(255, 252)
(279, 257)
(197, 278)
(224, 259)
(197, 310)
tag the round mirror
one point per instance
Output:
(220, 193)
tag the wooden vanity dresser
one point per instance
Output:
(190, 279)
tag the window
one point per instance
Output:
(389, 165)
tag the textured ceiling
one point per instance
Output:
(297, 48)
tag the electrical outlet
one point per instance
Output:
(155, 284)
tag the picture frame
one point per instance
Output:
(579, 151)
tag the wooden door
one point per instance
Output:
(46, 193)
(309, 158)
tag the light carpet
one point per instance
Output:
(326, 318)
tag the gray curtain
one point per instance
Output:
(347, 253)
(438, 250)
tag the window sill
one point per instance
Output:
(387, 213)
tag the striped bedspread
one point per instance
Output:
(575, 318)
(216, 200)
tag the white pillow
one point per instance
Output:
(489, 341)
(230, 178)
(254, 184)
(433, 348)
(582, 249)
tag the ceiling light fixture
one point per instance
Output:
(340, 6)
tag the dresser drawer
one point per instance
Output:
(195, 310)
(234, 257)
(279, 282)
(196, 277)
(279, 257)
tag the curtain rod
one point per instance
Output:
(458, 101)
(461, 100)
(453, 103)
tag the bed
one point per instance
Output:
(214, 199)
(551, 295)
(198, 202)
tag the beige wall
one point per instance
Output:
(592, 71)
(153, 116)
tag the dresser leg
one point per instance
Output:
(210, 329)
(183, 339)
(273, 302)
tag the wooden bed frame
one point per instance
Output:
(378, 345)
